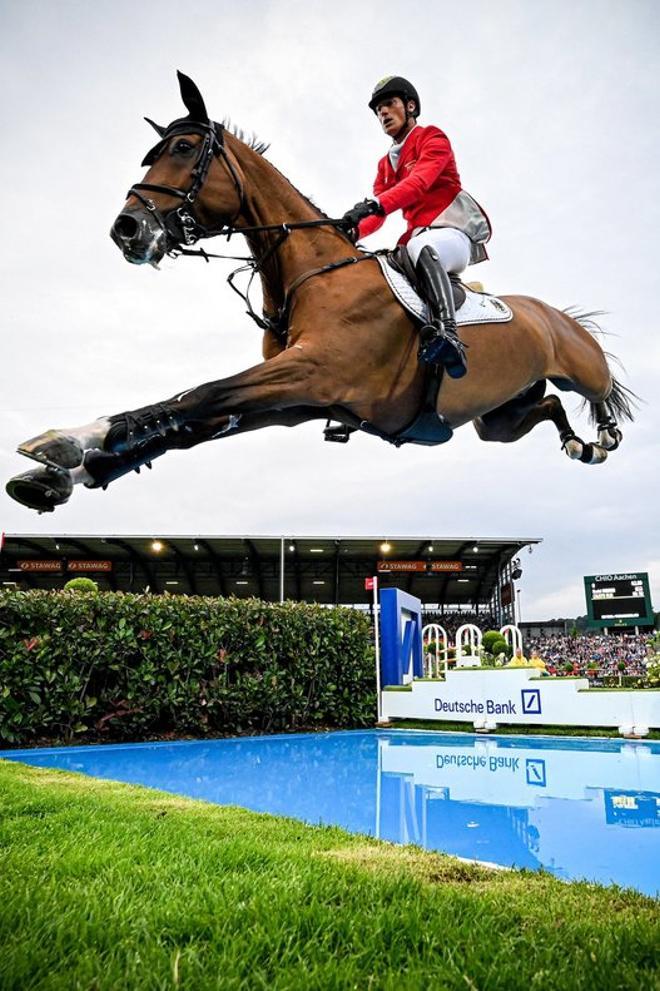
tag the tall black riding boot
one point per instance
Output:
(440, 343)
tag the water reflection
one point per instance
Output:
(574, 807)
(567, 806)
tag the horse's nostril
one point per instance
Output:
(126, 226)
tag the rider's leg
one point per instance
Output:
(434, 253)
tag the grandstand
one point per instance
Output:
(474, 574)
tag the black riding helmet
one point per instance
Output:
(395, 86)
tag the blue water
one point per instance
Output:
(578, 808)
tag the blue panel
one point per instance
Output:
(401, 635)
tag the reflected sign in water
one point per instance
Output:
(578, 808)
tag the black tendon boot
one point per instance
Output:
(134, 439)
(439, 341)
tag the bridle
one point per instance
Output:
(180, 224)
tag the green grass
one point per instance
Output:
(108, 886)
(512, 729)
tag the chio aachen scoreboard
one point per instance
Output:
(618, 600)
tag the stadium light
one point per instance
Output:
(475, 549)
(386, 547)
(157, 546)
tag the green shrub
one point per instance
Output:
(489, 638)
(81, 585)
(134, 666)
(501, 647)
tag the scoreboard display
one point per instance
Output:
(618, 600)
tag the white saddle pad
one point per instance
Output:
(477, 308)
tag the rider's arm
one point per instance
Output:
(434, 155)
(371, 224)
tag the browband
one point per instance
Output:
(183, 126)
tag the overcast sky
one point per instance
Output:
(552, 109)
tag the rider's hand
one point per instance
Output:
(365, 208)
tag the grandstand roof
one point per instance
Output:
(326, 569)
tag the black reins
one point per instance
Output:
(181, 227)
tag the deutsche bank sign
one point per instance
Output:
(531, 701)
(530, 705)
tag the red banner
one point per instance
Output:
(89, 566)
(385, 566)
(33, 565)
(446, 565)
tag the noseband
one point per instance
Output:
(180, 224)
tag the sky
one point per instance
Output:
(552, 110)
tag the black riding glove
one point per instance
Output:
(365, 208)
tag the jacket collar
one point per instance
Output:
(396, 150)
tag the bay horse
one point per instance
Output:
(336, 342)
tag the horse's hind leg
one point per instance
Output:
(510, 422)
(609, 434)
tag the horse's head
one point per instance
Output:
(194, 186)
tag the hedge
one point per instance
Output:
(85, 666)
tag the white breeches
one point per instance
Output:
(452, 246)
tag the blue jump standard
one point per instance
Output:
(580, 809)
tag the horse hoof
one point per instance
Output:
(574, 447)
(42, 488)
(593, 454)
(53, 448)
(610, 438)
(66, 448)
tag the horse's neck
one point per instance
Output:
(271, 199)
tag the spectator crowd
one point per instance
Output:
(451, 621)
(604, 653)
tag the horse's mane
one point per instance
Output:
(253, 142)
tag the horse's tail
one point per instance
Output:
(621, 400)
(621, 403)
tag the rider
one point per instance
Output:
(447, 229)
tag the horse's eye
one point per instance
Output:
(181, 147)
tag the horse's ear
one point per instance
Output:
(157, 128)
(192, 98)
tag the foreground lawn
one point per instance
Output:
(108, 886)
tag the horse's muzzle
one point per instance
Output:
(138, 235)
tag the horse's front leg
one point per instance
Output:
(286, 389)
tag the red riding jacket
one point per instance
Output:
(425, 182)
